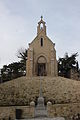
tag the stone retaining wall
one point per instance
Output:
(63, 110)
(56, 110)
(6, 112)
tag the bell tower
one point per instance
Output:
(41, 28)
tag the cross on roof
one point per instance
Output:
(41, 17)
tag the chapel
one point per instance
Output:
(34, 96)
(41, 59)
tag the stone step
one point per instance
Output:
(57, 118)
(40, 113)
(40, 108)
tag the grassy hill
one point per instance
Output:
(22, 91)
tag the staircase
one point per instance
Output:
(40, 109)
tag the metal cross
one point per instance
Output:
(41, 17)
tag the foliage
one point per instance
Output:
(12, 71)
(15, 69)
(67, 63)
(18, 69)
(22, 55)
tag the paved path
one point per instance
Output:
(57, 118)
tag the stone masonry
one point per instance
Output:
(41, 54)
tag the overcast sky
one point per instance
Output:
(18, 26)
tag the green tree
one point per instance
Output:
(67, 63)
(15, 69)
(12, 71)
(22, 55)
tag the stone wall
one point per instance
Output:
(55, 110)
(6, 112)
(63, 110)
(36, 50)
(10, 111)
(74, 74)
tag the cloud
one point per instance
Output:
(18, 23)
(11, 34)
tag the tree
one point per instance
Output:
(67, 63)
(22, 54)
(15, 69)
(12, 71)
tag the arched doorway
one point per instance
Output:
(41, 66)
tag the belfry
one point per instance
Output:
(41, 54)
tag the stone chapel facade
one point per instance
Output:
(41, 59)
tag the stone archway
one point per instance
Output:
(41, 66)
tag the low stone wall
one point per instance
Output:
(63, 110)
(56, 110)
(6, 112)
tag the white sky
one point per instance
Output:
(18, 26)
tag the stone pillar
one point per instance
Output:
(53, 63)
(32, 109)
(30, 63)
(56, 68)
(49, 104)
(52, 67)
(32, 104)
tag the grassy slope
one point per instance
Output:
(22, 91)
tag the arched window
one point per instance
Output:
(41, 41)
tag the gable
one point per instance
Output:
(37, 40)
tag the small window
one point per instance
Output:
(41, 26)
(41, 41)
